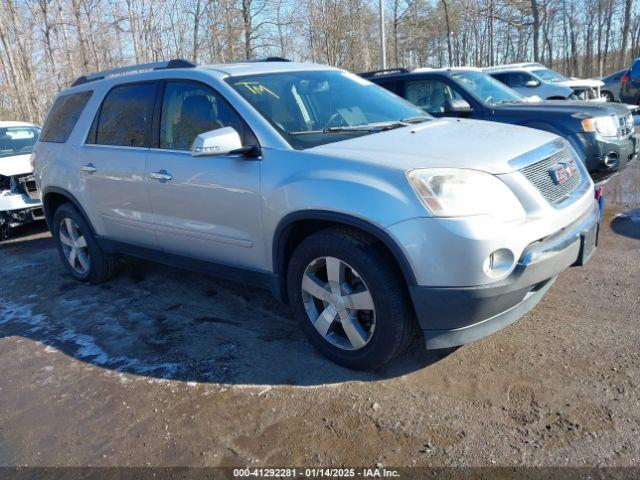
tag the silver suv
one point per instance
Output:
(372, 219)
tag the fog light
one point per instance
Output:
(611, 159)
(498, 263)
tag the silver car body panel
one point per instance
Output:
(229, 208)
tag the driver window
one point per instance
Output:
(189, 109)
(430, 95)
(520, 79)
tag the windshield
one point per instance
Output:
(549, 75)
(486, 89)
(312, 108)
(17, 140)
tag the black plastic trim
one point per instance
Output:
(256, 278)
(171, 64)
(283, 231)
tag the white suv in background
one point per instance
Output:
(531, 79)
(19, 198)
(346, 201)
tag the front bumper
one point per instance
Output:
(598, 153)
(451, 316)
(18, 209)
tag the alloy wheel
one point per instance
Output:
(338, 303)
(74, 246)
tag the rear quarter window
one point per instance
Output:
(63, 116)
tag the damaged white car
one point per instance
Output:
(19, 198)
(535, 79)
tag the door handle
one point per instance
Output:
(89, 168)
(162, 176)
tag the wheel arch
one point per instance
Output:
(297, 226)
(53, 197)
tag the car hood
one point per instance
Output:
(581, 83)
(582, 109)
(447, 142)
(15, 165)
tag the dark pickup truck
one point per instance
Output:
(630, 84)
(602, 133)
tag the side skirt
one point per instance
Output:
(256, 278)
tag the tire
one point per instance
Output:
(380, 333)
(92, 264)
(608, 96)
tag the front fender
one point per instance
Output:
(294, 182)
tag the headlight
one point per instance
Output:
(605, 126)
(455, 192)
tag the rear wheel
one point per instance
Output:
(608, 96)
(78, 248)
(350, 299)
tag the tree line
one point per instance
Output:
(46, 44)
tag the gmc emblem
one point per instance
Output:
(561, 172)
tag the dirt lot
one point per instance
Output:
(164, 367)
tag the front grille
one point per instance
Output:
(625, 125)
(539, 174)
(37, 213)
(28, 186)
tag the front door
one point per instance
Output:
(209, 207)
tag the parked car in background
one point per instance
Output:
(612, 84)
(19, 198)
(348, 202)
(630, 84)
(601, 133)
(535, 79)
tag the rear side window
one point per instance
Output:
(125, 116)
(63, 116)
(389, 85)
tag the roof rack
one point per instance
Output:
(175, 63)
(386, 71)
(260, 60)
(272, 59)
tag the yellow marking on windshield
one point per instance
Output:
(257, 88)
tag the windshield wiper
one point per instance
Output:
(365, 128)
(416, 119)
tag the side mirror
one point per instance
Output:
(221, 141)
(457, 105)
(532, 84)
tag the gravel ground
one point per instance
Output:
(164, 367)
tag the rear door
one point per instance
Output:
(209, 207)
(113, 163)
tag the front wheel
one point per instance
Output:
(350, 299)
(78, 248)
